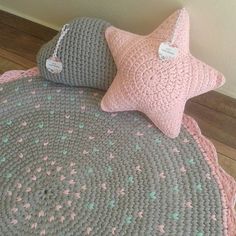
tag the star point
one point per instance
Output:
(156, 86)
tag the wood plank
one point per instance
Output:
(213, 124)
(19, 43)
(228, 165)
(16, 59)
(218, 102)
(224, 149)
(6, 65)
(26, 26)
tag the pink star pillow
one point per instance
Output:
(154, 79)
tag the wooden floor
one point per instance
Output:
(21, 39)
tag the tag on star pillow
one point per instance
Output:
(156, 74)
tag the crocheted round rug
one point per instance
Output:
(67, 168)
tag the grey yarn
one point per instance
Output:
(67, 168)
(84, 53)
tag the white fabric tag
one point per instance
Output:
(54, 65)
(166, 51)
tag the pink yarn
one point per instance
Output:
(159, 88)
(18, 74)
(227, 184)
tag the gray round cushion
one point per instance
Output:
(67, 168)
(84, 53)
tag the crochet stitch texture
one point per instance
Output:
(84, 53)
(67, 168)
(159, 88)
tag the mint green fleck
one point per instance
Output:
(63, 137)
(137, 147)
(45, 84)
(36, 141)
(176, 189)
(152, 195)
(8, 175)
(72, 98)
(130, 180)
(175, 216)
(52, 112)
(95, 150)
(40, 125)
(199, 187)
(9, 122)
(128, 220)
(110, 143)
(111, 204)
(5, 140)
(191, 162)
(64, 152)
(90, 170)
(81, 125)
(157, 140)
(2, 159)
(49, 97)
(90, 206)
(199, 234)
(109, 169)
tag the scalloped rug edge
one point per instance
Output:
(226, 183)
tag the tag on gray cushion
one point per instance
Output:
(84, 54)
